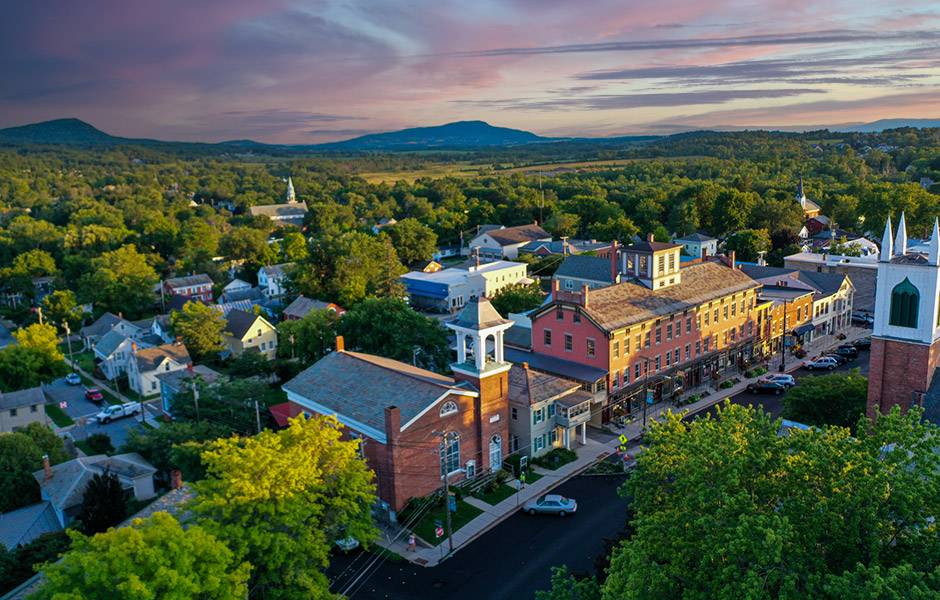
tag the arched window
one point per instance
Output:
(905, 300)
(449, 408)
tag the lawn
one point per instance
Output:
(84, 447)
(496, 496)
(426, 525)
(85, 360)
(555, 458)
(58, 416)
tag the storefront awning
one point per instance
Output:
(802, 329)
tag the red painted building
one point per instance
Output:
(666, 329)
(193, 287)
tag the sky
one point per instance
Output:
(309, 71)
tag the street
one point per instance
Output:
(512, 560)
(77, 407)
(774, 404)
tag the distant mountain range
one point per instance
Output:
(458, 135)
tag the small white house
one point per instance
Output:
(450, 289)
(697, 244)
(145, 364)
(273, 279)
(505, 242)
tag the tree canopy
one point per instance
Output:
(834, 399)
(201, 328)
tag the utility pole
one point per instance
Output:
(646, 381)
(257, 416)
(446, 439)
(39, 312)
(68, 340)
(195, 397)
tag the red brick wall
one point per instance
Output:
(897, 370)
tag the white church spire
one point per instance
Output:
(900, 239)
(291, 197)
(933, 256)
(886, 246)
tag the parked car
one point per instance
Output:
(863, 343)
(840, 359)
(93, 395)
(860, 318)
(551, 504)
(823, 362)
(73, 379)
(117, 411)
(347, 544)
(766, 387)
(783, 379)
(847, 350)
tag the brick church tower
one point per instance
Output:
(480, 362)
(905, 347)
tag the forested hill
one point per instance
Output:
(462, 134)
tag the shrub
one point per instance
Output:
(727, 383)
(100, 443)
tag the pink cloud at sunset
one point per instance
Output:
(298, 71)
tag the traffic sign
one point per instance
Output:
(63, 405)
(439, 531)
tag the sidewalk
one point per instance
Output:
(593, 451)
(492, 515)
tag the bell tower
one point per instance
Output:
(905, 348)
(481, 364)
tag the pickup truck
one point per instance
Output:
(117, 411)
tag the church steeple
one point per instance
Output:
(900, 239)
(291, 196)
(933, 256)
(479, 330)
(800, 194)
(887, 248)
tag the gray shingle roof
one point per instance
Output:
(109, 342)
(103, 325)
(239, 322)
(69, 479)
(695, 237)
(23, 525)
(293, 210)
(188, 280)
(175, 379)
(531, 387)
(479, 314)
(592, 268)
(520, 233)
(21, 398)
(302, 306)
(149, 359)
(360, 386)
(825, 284)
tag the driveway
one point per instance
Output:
(74, 396)
(511, 561)
(78, 407)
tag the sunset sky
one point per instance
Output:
(305, 71)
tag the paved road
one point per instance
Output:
(774, 404)
(510, 561)
(77, 407)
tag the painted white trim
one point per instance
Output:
(353, 424)
(474, 373)
(436, 402)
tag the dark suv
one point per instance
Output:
(847, 350)
(766, 387)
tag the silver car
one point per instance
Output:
(551, 504)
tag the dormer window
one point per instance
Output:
(449, 408)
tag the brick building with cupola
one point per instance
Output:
(402, 412)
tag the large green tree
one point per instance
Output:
(201, 328)
(280, 499)
(748, 244)
(413, 240)
(389, 327)
(153, 558)
(517, 298)
(308, 339)
(121, 281)
(35, 359)
(175, 445)
(727, 507)
(834, 399)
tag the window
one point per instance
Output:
(153, 385)
(706, 317)
(669, 331)
(576, 317)
(672, 261)
(547, 337)
(698, 348)
(658, 363)
(496, 451)
(675, 356)
(616, 350)
(707, 343)
(647, 342)
(12, 412)
(34, 408)
(724, 311)
(569, 342)
(904, 304)
(688, 351)
(688, 325)
(551, 410)
(659, 335)
(262, 345)
(259, 333)
(450, 455)
(559, 314)
(590, 347)
(449, 408)
(636, 371)
(538, 415)
(538, 443)
(626, 345)
(471, 469)
(716, 315)
(668, 358)
(552, 437)
(733, 311)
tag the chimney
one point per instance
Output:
(731, 259)
(613, 261)
(46, 467)
(392, 424)
(120, 315)
(525, 366)
(134, 347)
(176, 479)
(584, 295)
(340, 344)
(556, 286)
(649, 237)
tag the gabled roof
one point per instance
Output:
(254, 293)
(479, 314)
(276, 270)
(292, 210)
(592, 268)
(627, 303)
(110, 342)
(695, 237)
(149, 359)
(188, 281)
(175, 379)
(358, 387)
(531, 387)
(103, 325)
(69, 479)
(23, 525)
(649, 246)
(824, 284)
(22, 398)
(518, 234)
(302, 306)
(240, 322)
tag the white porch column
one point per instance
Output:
(567, 439)
(499, 346)
(479, 352)
(584, 433)
(461, 347)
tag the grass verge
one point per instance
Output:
(58, 416)
(497, 495)
(425, 527)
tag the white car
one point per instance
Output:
(73, 379)
(116, 411)
(826, 362)
(783, 379)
